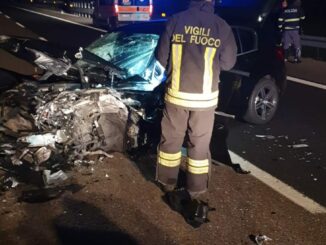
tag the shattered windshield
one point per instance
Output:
(130, 51)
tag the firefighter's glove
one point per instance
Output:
(195, 212)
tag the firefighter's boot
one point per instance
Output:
(194, 211)
(286, 54)
(297, 58)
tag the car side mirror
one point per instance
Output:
(79, 54)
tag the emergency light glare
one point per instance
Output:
(116, 8)
(163, 14)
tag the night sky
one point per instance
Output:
(315, 23)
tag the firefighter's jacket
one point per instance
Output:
(290, 18)
(195, 46)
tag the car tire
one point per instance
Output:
(263, 102)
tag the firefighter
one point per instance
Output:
(289, 24)
(195, 46)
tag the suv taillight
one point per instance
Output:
(279, 53)
(116, 9)
(151, 9)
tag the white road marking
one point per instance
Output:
(64, 20)
(22, 26)
(305, 82)
(43, 39)
(7, 16)
(279, 186)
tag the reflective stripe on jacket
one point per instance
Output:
(195, 46)
(290, 18)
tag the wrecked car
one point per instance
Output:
(57, 114)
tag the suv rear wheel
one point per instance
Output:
(263, 102)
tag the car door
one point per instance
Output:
(231, 81)
(248, 47)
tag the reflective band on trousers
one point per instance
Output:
(176, 65)
(169, 160)
(190, 100)
(292, 27)
(198, 166)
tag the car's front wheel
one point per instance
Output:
(263, 102)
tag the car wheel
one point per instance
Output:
(263, 102)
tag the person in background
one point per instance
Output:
(289, 24)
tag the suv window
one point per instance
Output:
(246, 40)
(236, 36)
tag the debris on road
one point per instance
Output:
(270, 137)
(261, 239)
(47, 131)
(299, 146)
(46, 194)
(55, 178)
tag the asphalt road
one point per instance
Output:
(300, 120)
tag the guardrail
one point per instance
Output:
(312, 41)
(84, 8)
(317, 43)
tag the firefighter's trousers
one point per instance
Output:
(198, 126)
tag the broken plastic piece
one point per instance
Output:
(260, 239)
(16, 160)
(55, 178)
(39, 140)
(300, 146)
(11, 182)
(42, 155)
(270, 137)
(52, 66)
(98, 152)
